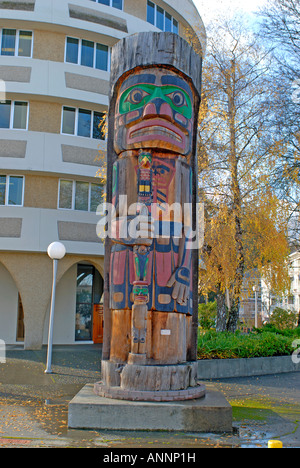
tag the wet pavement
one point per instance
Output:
(34, 406)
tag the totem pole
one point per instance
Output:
(151, 261)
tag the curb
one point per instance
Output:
(245, 367)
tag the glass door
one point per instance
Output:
(20, 324)
(88, 304)
(84, 303)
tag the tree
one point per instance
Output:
(237, 154)
(280, 25)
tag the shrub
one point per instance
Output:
(283, 319)
(207, 314)
(226, 345)
(268, 327)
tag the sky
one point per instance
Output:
(208, 9)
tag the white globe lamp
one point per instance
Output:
(56, 251)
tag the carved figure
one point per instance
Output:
(151, 277)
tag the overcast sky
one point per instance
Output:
(208, 9)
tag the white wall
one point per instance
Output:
(65, 305)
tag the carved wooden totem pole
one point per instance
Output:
(151, 306)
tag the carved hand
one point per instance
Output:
(180, 281)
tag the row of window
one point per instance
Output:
(16, 43)
(113, 3)
(83, 122)
(11, 190)
(14, 114)
(87, 53)
(19, 43)
(75, 121)
(72, 195)
(155, 14)
(161, 18)
(80, 196)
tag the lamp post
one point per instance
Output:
(56, 251)
(256, 289)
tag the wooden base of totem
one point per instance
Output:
(168, 339)
(118, 393)
(138, 382)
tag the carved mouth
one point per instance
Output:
(155, 131)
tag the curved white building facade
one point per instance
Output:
(54, 82)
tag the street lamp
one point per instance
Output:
(256, 289)
(56, 251)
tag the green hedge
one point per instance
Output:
(260, 343)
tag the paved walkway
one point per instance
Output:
(34, 406)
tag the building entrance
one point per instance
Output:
(20, 323)
(89, 309)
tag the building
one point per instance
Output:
(54, 82)
(290, 300)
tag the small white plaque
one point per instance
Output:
(165, 332)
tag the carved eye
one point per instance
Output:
(136, 96)
(178, 98)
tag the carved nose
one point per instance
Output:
(158, 107)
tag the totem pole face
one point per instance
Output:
(154, 109)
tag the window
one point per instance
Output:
(20, 115)
(72, 48)
(113, 3)
(25, 44)
(16, 43)
(14, 115)
(160, 18)
(291, 300)
(66, 194)
(175, 26)
(79, 196)
(82, 196)
(8, 44)
(5, 111)
(102, 57)
(96, 196)
(68, 124)
(151, 13)
(83, 122)
(87, 53)
(98, 126)
(84, 303)
(168, 22)
(117, 4)
(11, 190)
